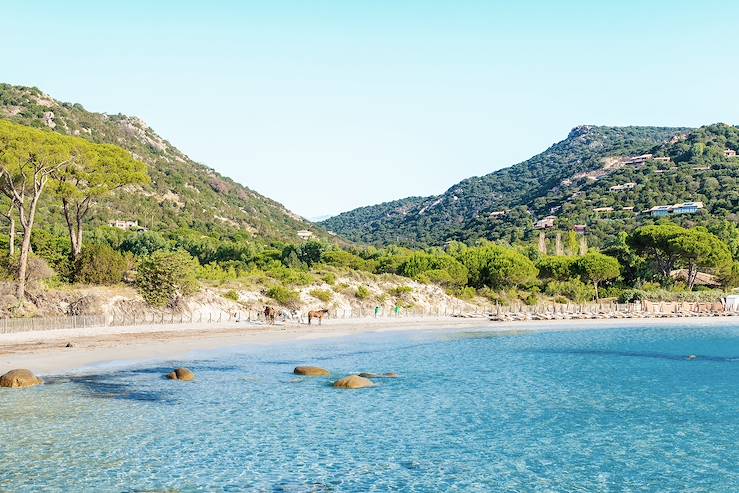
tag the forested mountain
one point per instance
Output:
(568, 180)
(183, 193)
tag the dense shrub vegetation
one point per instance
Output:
(164, 277)
(475, 254)
(569, 180)
(100, 264)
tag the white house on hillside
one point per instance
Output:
(304, 234)
(546, 223)
(124, 225)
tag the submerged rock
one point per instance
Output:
(353, 382)
(379, 375)
(311, 371)
(18, 379)
(181, 374)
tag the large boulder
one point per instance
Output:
(311, 371)
(353, 382)
(18, 379)
(181, 374)
(379, 375)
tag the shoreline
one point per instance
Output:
(45, 354)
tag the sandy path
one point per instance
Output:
(45, 352)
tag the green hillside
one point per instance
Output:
(183, 193)
(568, 180)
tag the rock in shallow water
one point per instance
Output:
(18, 379)
(379, 375)
(353, 382)
(311, 371)
(181, 374)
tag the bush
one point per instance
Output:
(340, 258)
(284, 296)
(574, 290)
(217, 272)
(329, 278)
(163, 277)
(467, 294)
(231, 295)
(100, 264)
(400, 291)
(558, 268)
(322, 294)
(631, 295)
(362, 293)
(531, 298)
(143, 244)
(56, 251)
(37, 270)
(498, 267)
(290, 276)
(435, 267)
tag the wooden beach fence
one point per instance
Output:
(503, 312)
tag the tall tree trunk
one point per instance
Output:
(11, 234)
(74, 228)
(79, 241)
(27, 223)
(74, 224)
(692, 275)
(595, 284)
(20, 292)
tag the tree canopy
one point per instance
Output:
(597, 267)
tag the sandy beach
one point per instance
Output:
(45, 352)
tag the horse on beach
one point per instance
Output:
(319, 314)
(269, 315)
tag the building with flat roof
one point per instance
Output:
(545, 223)
(625, 186)
(638, 159)
(687, 207)
(124, 224)
(680, 208)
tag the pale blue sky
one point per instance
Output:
(330, 105)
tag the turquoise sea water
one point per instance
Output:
(593, 410)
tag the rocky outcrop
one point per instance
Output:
(311, 371)
(181, 374)
(353, 382)
(49, 119)
(18, 379)
(379, 375)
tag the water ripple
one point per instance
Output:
(601, 410)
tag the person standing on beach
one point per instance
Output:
(377, 311)
(397, 310)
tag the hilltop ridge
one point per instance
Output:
(569, 180)
(183, 193)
